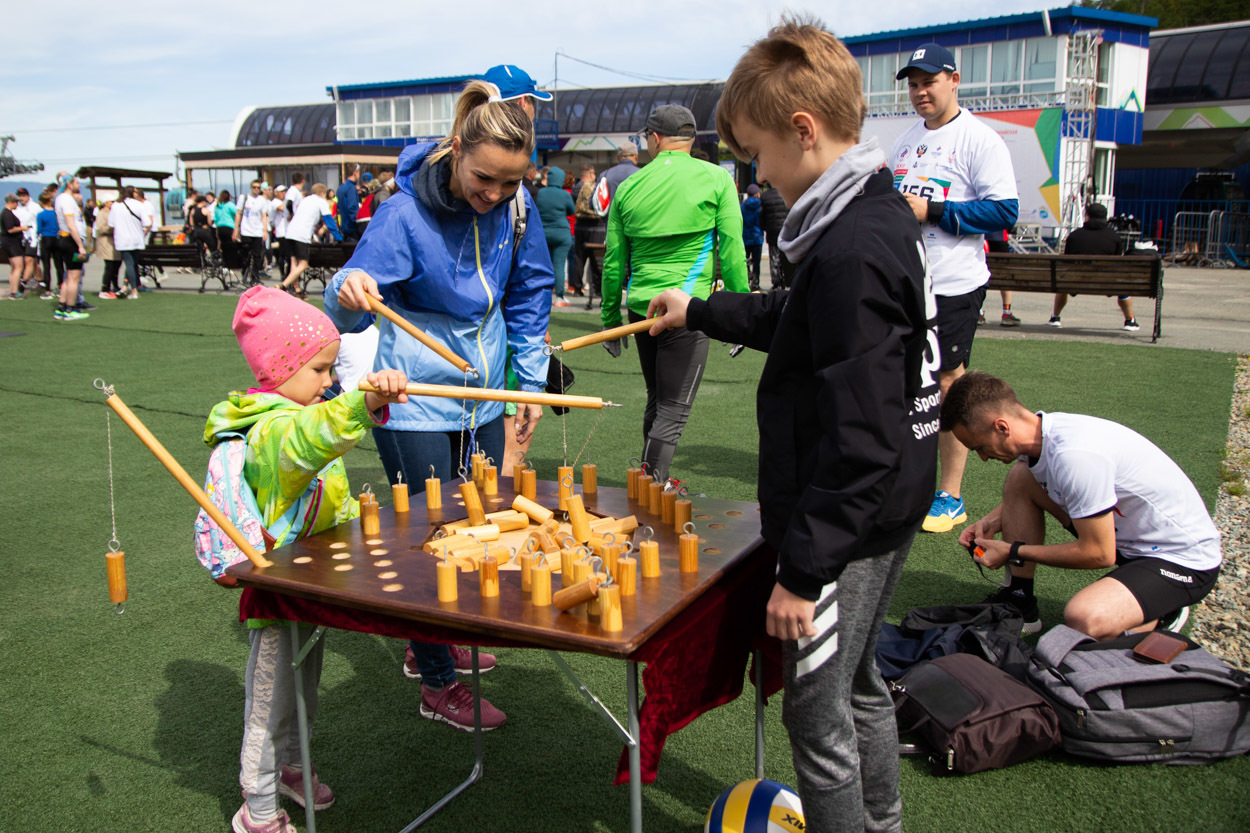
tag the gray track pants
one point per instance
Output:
(270, 728)
(672, 366)
(837, 709)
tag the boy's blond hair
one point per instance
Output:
(798, 66)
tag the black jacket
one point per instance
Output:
(1093, 238)
(847, 404)
(773, 211)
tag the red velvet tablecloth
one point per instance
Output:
(693, 664)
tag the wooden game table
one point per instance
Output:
(390, 576)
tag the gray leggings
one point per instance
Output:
(837, 708)
(672, 366)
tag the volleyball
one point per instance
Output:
(758, 806)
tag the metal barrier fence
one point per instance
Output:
(1156, 215)
(1219, 239)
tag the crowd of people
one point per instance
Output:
(877, 282)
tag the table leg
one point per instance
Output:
(757, 663)
(635, 751)
(476, 773)
(301, 715)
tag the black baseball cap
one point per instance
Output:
(671, 120)
(22, 192)
(930, 57)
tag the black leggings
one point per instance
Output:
(47, 254)
(672, 366)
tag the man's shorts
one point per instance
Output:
(31, 250)
(1162, 587)
(957, 324)
(299, 249)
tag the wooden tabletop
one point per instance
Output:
(390, 574)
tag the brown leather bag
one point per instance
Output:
(972, 715)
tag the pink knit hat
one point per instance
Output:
(279, 334)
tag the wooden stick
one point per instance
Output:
(180, 474)
(571, 597)
(608, 335)
(419, 334)
(519, 397)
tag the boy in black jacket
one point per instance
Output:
(847, 408)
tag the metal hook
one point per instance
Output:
(567, 481)
(548, 350)
(530, 545)
(682, 492)
(399, 478)
(474, 371)
(103, 387)
(634, 462)
(647, 531)
(490, 461)
(688, 528)
(629, 547)
(519, 454)
(566, 540)
(529, 465)
(368, 490)
(644, 465)
(586, 552)
(609, 538)
(541, 561)
(512, 555)
(432, 473)
(463, 472)
(119, 608)
(440, 533)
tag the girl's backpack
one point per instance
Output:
(229, 492)
(1113, 707)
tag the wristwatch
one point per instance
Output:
(1013, 557)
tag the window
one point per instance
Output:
(974, 67)
(364, 112)
(1040, 64)
(347, 120)
(883, 87)
(1103, 76)
(1005, 64)
(863, 70)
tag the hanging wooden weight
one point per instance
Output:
(490, 480)
(681, 514)
(668, 504)
(433, 491)
(564, 478)
(447, 588)
(631, 482)
(643, 489)
(656, 497)
(529, 484)
(399, 494)
(488, 577)
(115, 564)
(688, 550)
(578, 518)
(610, 618)
(590, 479)
(626, 574)
(649, 555)
(540, 582)
(369, 523)
(473, 504)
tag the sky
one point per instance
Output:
(130, 84)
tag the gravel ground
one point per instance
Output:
(1220, 621)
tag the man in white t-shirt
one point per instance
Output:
(1128, 504)
(71, 246)
(313, 210)
(957, 176)
(294, 194)
(277, 226)
(252, 227)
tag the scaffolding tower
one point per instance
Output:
(1080, 123)
(10, 166)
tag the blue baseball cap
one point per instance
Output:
(514, 82)
(929, 57)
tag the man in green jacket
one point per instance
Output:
(662, 226)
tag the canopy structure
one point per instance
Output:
(93, 173)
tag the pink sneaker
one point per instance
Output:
(453, 705)
(462, 657)
(291, 784)
(242, 823)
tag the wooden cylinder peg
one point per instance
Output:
(688, 551)
(477, 462)
(564, 478)
(578, 519)
(518, 468)
(433, 491)
(681, 514)
(540, 514)
(656, 501)
(473, 504)
(488, 577)
(529, 484)
(485, 532)
(668, 504)
(508, 521)
(540, 584)
(631, 483)
(611, 554)
(447, 589)
(626, 574)
(369, 524)
(571, 597)
(526, 560)
(115, 564)
(649, 554)
(399, 494)
(643, 488)
(590, 478)
(610, 608)
(490, 480)
(568, 573)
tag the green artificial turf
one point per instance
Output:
(132, 722)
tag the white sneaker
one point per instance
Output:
(1131, 325)
(1054, 322)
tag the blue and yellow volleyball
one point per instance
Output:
(759, 806)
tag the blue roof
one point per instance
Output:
(415, 82)
(1073, 13)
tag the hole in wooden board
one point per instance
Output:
(342, 568)
(702, 517)
(496, 500)
(392, 588)
(712, 551)
(379, 552)
(388, 575)
(338, 545)
(385, 562)
(373, 542)
(715, 526)
(733, 513)
(303, 559)
(339, 556)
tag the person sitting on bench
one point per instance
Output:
(1127, 503)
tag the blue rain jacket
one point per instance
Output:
(456, 276)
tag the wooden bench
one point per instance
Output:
(324, 260)
(1132, 275)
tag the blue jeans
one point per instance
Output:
(132, 268)
(413, 453)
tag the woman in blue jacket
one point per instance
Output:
(443, 252)
(752, 235)
(555, 205)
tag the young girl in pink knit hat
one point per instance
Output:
(295, 442)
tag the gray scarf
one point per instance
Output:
(821, 204)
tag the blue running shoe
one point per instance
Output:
(945, 512)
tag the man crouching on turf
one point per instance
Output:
(846, 407)
(1128, 504)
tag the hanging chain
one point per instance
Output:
(114, 544)
(564, 430)
(586, 445)
(464, 407)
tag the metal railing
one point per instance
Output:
(1219, 239)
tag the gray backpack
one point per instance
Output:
(1113, 707)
